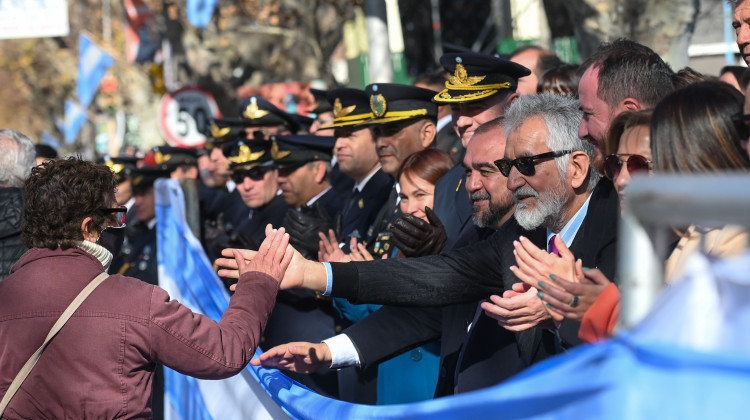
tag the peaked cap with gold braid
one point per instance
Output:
(321, 104)
(391, 102)
(297, 149)
(350, 107)
(258, 112)
(475, 76)
(221, 131)
(245, 154)
(121, 166)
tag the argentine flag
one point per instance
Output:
(75, 116)
(93, 64)
(638, 375)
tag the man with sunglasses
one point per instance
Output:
(556, 193)
(256, 181)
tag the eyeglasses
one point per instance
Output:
(256, 174)
(526, 165)
(119, 212)
(636, 163)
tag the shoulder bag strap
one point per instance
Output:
(26, 369)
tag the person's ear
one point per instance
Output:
(319, 172)
(630, 104)
(89, 230)
(427, 133)
(510, 99)
(578, 169)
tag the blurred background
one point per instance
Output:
(110, 77)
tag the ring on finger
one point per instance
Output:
(573, 302)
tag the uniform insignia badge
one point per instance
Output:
(276, 153)
(253, 112)
(341, 111)
(217, 132)
(246, 155)
(378, 105)
(361, 203)
(459, 184)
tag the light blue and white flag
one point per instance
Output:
(632, 376)
(93, 63)
(199, 12)
(75, 116)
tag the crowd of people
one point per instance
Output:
(428, 239)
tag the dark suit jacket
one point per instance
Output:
(448, 141)
(359, 213)
(489, 354)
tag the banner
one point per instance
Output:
(93, 64)
(631, 376)
(33, 18)
(142, 38)
(75, 116)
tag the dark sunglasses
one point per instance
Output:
(119, 212)
(256, 174)
(526, 165)
(636, 163)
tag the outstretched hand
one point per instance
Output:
(299, 357)
(273, 256)
(299, 273)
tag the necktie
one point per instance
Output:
(355, 197)
(552, 247)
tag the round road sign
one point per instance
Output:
(185, 115)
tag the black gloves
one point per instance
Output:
(303, 226)
(417, 238)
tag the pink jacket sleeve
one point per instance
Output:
(195, 345)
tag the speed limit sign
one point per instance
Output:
(185, 115)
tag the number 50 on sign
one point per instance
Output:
(185, 115)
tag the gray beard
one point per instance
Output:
(548, 210)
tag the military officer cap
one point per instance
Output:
(321, 104)
(258, 112)
(350, 107)
(391, 102)
(246, 154)
(170, 158)
(304, 122)
(223, 130)
(121, 166)
(476, 76)
(144, 177)
(297, 149)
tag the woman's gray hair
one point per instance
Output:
(17, 158)
(562, 117)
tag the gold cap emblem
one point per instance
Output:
(246, 155)
(161, 158)
(461, 77)
(339, 110)
(253, 112)
(217, 132)
(276, 153)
